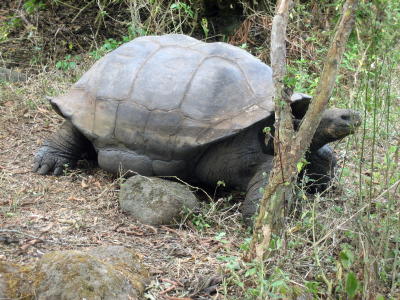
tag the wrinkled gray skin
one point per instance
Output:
(138, 124)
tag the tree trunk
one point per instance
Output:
(291, 146)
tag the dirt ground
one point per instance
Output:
(39, 214)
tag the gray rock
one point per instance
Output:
(155, 201)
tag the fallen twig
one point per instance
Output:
(171, 288)
(171, 281)
(44, 240)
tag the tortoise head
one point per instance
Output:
(335, 124)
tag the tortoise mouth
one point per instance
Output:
(354, 122)
(339, 132)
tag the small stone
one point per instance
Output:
(155, 201)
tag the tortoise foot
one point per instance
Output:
(49, 159)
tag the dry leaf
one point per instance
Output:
(47, 228)
(72, 198)
(97, 184)
(30, 243)
(84, 184)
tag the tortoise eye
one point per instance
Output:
(345, 117)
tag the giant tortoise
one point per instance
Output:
(172, 105)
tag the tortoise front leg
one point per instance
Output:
(320, 169)
(64, 148)
(254, 190)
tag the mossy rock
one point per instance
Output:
(108, 272)
(15, 281)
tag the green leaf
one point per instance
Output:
(278, 283)
(245, 245)
(221, 183)
(219, 237)
(267, 130)
(301, 164)
(250, 272)
(304, 214)
(346, 258)
(345, 172)
(351, 284)
(312, 287)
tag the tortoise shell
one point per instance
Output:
(166, 96)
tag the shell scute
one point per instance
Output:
(163, 80)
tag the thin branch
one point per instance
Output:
(271, 205)
(328, 77)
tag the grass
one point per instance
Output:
(342, 244)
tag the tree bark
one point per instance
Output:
(291, 146)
